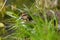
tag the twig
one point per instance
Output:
(3, 5)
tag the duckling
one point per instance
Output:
(25, 17)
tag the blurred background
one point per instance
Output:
(29, 19)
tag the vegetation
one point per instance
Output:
(42, 25)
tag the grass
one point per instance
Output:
(40, 28)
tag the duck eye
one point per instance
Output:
(24, 15)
